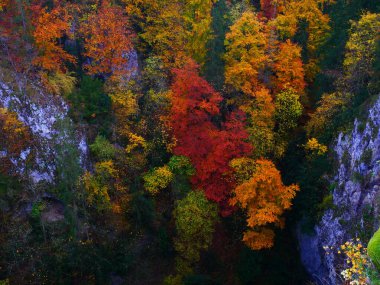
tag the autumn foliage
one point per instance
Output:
(108, 39)
(50, 28)
(288, 68)
(14, 139)
(264, 198)
(210, 148)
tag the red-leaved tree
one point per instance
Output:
(210, 147)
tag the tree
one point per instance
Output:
(288, 68)
(50, 27)
(245, 53)
(291, 15)
(195, 219)
(194, 105)
(327, 110)
(157, 179)
(3, 4)
(197, 20)
(15, 138)
(361, 51)
(13, 36)
(260, 126)
(108, 39)
(288, 110)
(373, 249)
(175, 29)
(162, 28)
(269, 8)
(264, 198)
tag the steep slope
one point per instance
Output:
(356, 198)
(46, 115)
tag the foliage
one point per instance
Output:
(329, 106)
(288, 111)
(157, 179)
(169, 152)
(264, 198)
(15, 138)
(289, 20)
(245, 53)
(60, 83)
(181, 165)
(67, 161)
(90, 103)
(103, 149)
(108, 39)
(194, 104)
(174, 29)
(97, 192)
(260, 125)
(50, 27)
(360, 50)
(288, 68)
(125, 107)
(357, 260)
(315, 148)
(373, 249)
(195, 219)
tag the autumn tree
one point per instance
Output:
(327, 110)
(174, 30)
(245, 53)
(264, 198)
(288, 68)
(269, 8)
(247, 64)
(15, 35)
(194, 105)
(15, 138)
(157, 179)
(108, 39)
(360, 51)
(260, 109)
(3, 4)
(50, 27)
(288, 110)
(195, 219)
(291, 14)
(197, 19)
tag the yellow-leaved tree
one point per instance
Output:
(245, 53)
(173, 29)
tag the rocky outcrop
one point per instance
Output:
(43, 113)
(356, 198)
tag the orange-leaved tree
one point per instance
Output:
(288, 68)
(108, 40)
(50, 27)
(264, 197)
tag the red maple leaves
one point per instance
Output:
(201, 136)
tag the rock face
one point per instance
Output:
(44, 114)
(356, 198)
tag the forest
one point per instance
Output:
(190, 142)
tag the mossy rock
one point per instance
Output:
(373, 249)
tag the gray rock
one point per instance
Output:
(358, 191)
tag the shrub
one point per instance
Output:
(157, 179)
(103, 149)
(373, 249)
